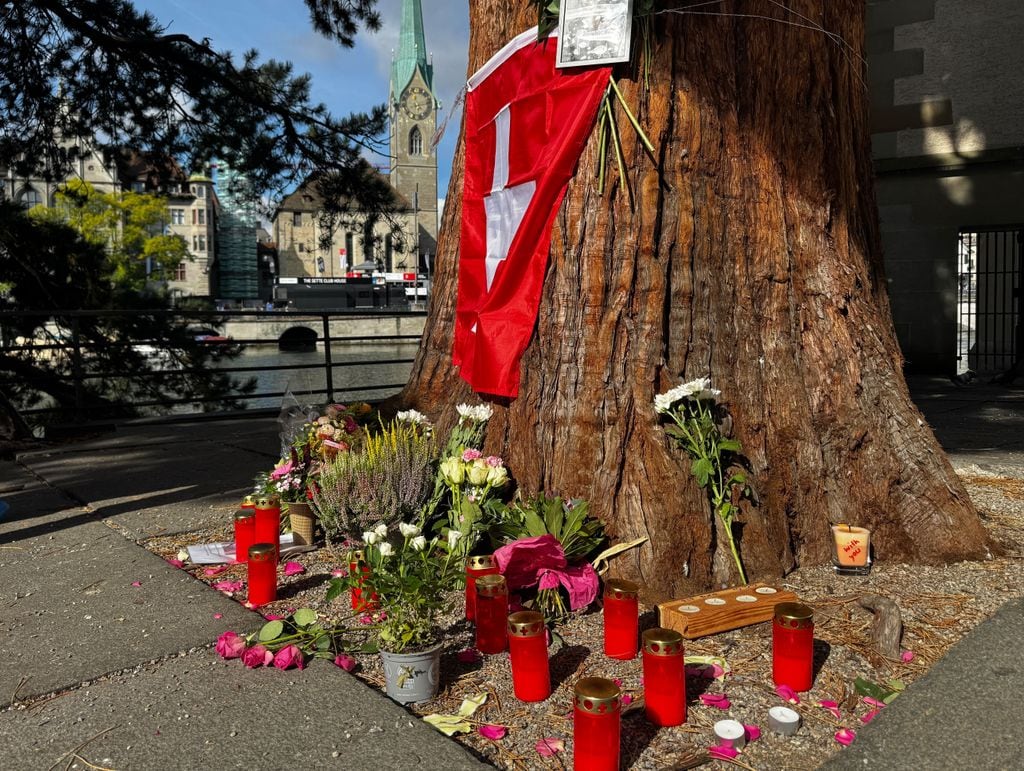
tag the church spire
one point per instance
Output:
(412, 50)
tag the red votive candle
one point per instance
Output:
(793, 646)
(363, 598)
(621, 618)
(528, 651)
(491, 613)
(245, 533)
(262, 574)
(664, 677)
(268, 522)
(483, 565)
(597, 705)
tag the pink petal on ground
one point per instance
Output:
(218, 616)
(293, 569)
(549, 747)
(227, 586)
(626, 699)
(845, 736)
(176, 562)
(873, 702)
(788, 694)
(870, 716)
(468, 656)
(273, 617)
(718, 700)
(831, 706)
(907, 656)
(493, 732)
(752, 731)
(136, 583)
(345, 661)
(618, 681)
(723, 752)
(215, 571)
(339, 573)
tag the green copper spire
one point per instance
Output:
(412, 50)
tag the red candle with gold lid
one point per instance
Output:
(664, 677)
(268, 522)
(528, 652)
(363, 597)
(793, 646)
(597, 712)
(262, 574)
(482, 565)
(249, 502)
(491, 613)
(621, 618)
(245, 533)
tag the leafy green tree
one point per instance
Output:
(127, 225)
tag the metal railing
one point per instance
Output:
(59, 339)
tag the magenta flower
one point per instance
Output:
(345, 661)
(549, 747)
(717, 700)
(288, 657)
(787, 694)
(470, 455)
(752, 731)
(907, 656)
(492, 732)
(230, 645)
(468, 656)
(494, 461)
(831, 706)
(257, 656)
(281, 471)
(845, 736)
(723, 753)
(870, 716)
(293, 569)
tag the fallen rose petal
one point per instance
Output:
(873, 702)
(618, 681)
(752, 731)
(468, 656)
(907, 656)
(626, 699)
(845, 736)
(788, 694)
(723, 752)
(136, 583)
(492, 732)
(215, 571)
(176, 562)
(870, 716)
(218, 616)
(345, 661)
(293, 569)
(339, 573)
(717, 700)
(549, 747)
(831, 706)
(227, 586)
(273, 617)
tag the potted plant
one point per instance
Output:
(412, 578)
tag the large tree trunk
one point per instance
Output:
(752, 255)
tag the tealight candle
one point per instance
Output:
(245, 533)
(793, 646)
(731, 733)
(528, 652)
(783, 720)
(597, 713)
(363, 598)
(664, 677)
(621, 618)
(491, 614)
(483, 565)
(268, 522)
(262, 574)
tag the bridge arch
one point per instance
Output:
(298, 338)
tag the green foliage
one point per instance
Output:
(567, 520)
(304, 630)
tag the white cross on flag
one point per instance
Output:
(526, 126)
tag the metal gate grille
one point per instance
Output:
(989, 301)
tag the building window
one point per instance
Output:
(198, 243)
(349, 249)
(297, 219)
(367, 242)
(300, 246)
(388, 252)
(138, 187)
(199, 216)
(199, 191)
(30, 197)
(415, 141)
(179, 272)
(177, 216)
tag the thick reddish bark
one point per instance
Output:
(752, 255)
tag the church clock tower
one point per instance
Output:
(413, 109)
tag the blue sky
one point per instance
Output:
(346, 80)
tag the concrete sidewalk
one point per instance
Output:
(127, 674)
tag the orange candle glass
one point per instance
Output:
(483, 565)
(793, 646)
(268, 523)
(621, 618)
(597, 712)
(363, 598)
(528, 651)
(664, 677)
(491, 614)
(853, 550)
(245, 533)
(262, 574)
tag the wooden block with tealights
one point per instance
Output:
(722, 611)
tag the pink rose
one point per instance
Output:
(257, 656)
(494, 461)
(471, 454)
(288, 657)
(345, 661)
(230, 645)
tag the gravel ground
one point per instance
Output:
(939, 606)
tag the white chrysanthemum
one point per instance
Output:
(413, 416)
(696, 387)
(711, 394)
(453, 538)
(479, 413)
(386, 549)
(419, 543)
(381, 530)
(407, 530)
(664, 402)
(370, 538)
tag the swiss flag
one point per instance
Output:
(526, 126)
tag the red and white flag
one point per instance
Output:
(526, 126)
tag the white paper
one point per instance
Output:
(223, 553)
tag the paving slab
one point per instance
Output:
(198, 711)
(70, 614)
(965, 713)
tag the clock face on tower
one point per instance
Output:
(416, 103)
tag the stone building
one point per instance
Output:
(947, 90)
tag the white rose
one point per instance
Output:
(381, 530)
(407, 530)
(497, 476)
(386, 549)
(370, 538)
(453, 538)
(477, 473)
(452, 471)
(419, 543)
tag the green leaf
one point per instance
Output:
(554, 517)
(304, 616)
(702, 469)
(534, 524)
(271, 630)
(729, 445)
(334, 589)
(323, 642)
(874, 690)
